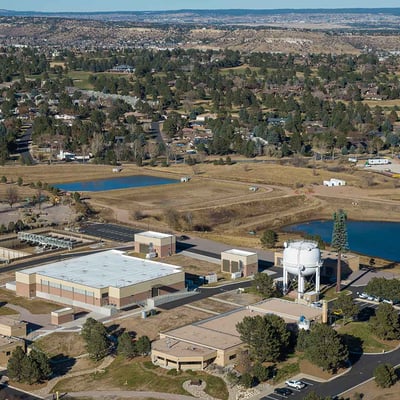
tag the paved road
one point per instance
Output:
(7, 392)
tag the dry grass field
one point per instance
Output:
(217, 198)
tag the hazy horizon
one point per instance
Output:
(155, 5)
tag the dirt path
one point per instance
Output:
(43, 392)
(117, 394)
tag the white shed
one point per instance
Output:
(334, 182)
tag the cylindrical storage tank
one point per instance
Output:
(301, 255)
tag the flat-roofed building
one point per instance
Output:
(7, 346)
(216, 340)
(239, 261)
(160, 244)
(62, 316)
(12, 327)
(98, 281)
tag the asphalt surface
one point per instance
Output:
(117, 233)
(8, 393)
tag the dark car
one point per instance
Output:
(283, 391)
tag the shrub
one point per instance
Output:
(385, 375)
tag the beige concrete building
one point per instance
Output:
(162, 244)
(12, 327)
(62, 316)
(239, 261)
(216, 340)
(100, 281)
(7, 346)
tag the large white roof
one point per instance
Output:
(152, 234)
(242, 253)
(108, 268)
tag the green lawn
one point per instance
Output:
(81, 79)
(360, 335)
(136, 375)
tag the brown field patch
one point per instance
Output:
(193, 266)
(371, 391)
(69, 344)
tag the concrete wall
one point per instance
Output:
(9, 254)
(18, 330)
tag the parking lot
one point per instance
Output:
(296, 393)
(116, 233)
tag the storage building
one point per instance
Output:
(155, 243)
(239, 261)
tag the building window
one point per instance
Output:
(232, 356)
(8, 353)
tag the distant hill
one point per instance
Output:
(223, 13)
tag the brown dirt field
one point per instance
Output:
(163, 321)
(243, 299)
(306, 367)
(212, 305)
(371, 391)
(193, 266)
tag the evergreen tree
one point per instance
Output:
(267, 336)
(95, 336)
(30, 372)
(14, 366)
(143, 345)
(264, 284)
(42, 362)
(324, 347)
(385, 323)
(339, 241)
(385, 375)
(126, 346)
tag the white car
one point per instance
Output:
(295, 384)
(316, 304)
(363, 295)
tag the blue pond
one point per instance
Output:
(375, 239)
(124, 182)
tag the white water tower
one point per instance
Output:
(301, 258)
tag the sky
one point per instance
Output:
(148, 5)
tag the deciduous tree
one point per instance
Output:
(269, 238)
(346, 304)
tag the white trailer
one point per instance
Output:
(377, 161)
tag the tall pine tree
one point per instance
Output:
(339, 241)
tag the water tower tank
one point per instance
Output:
(302, 257)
